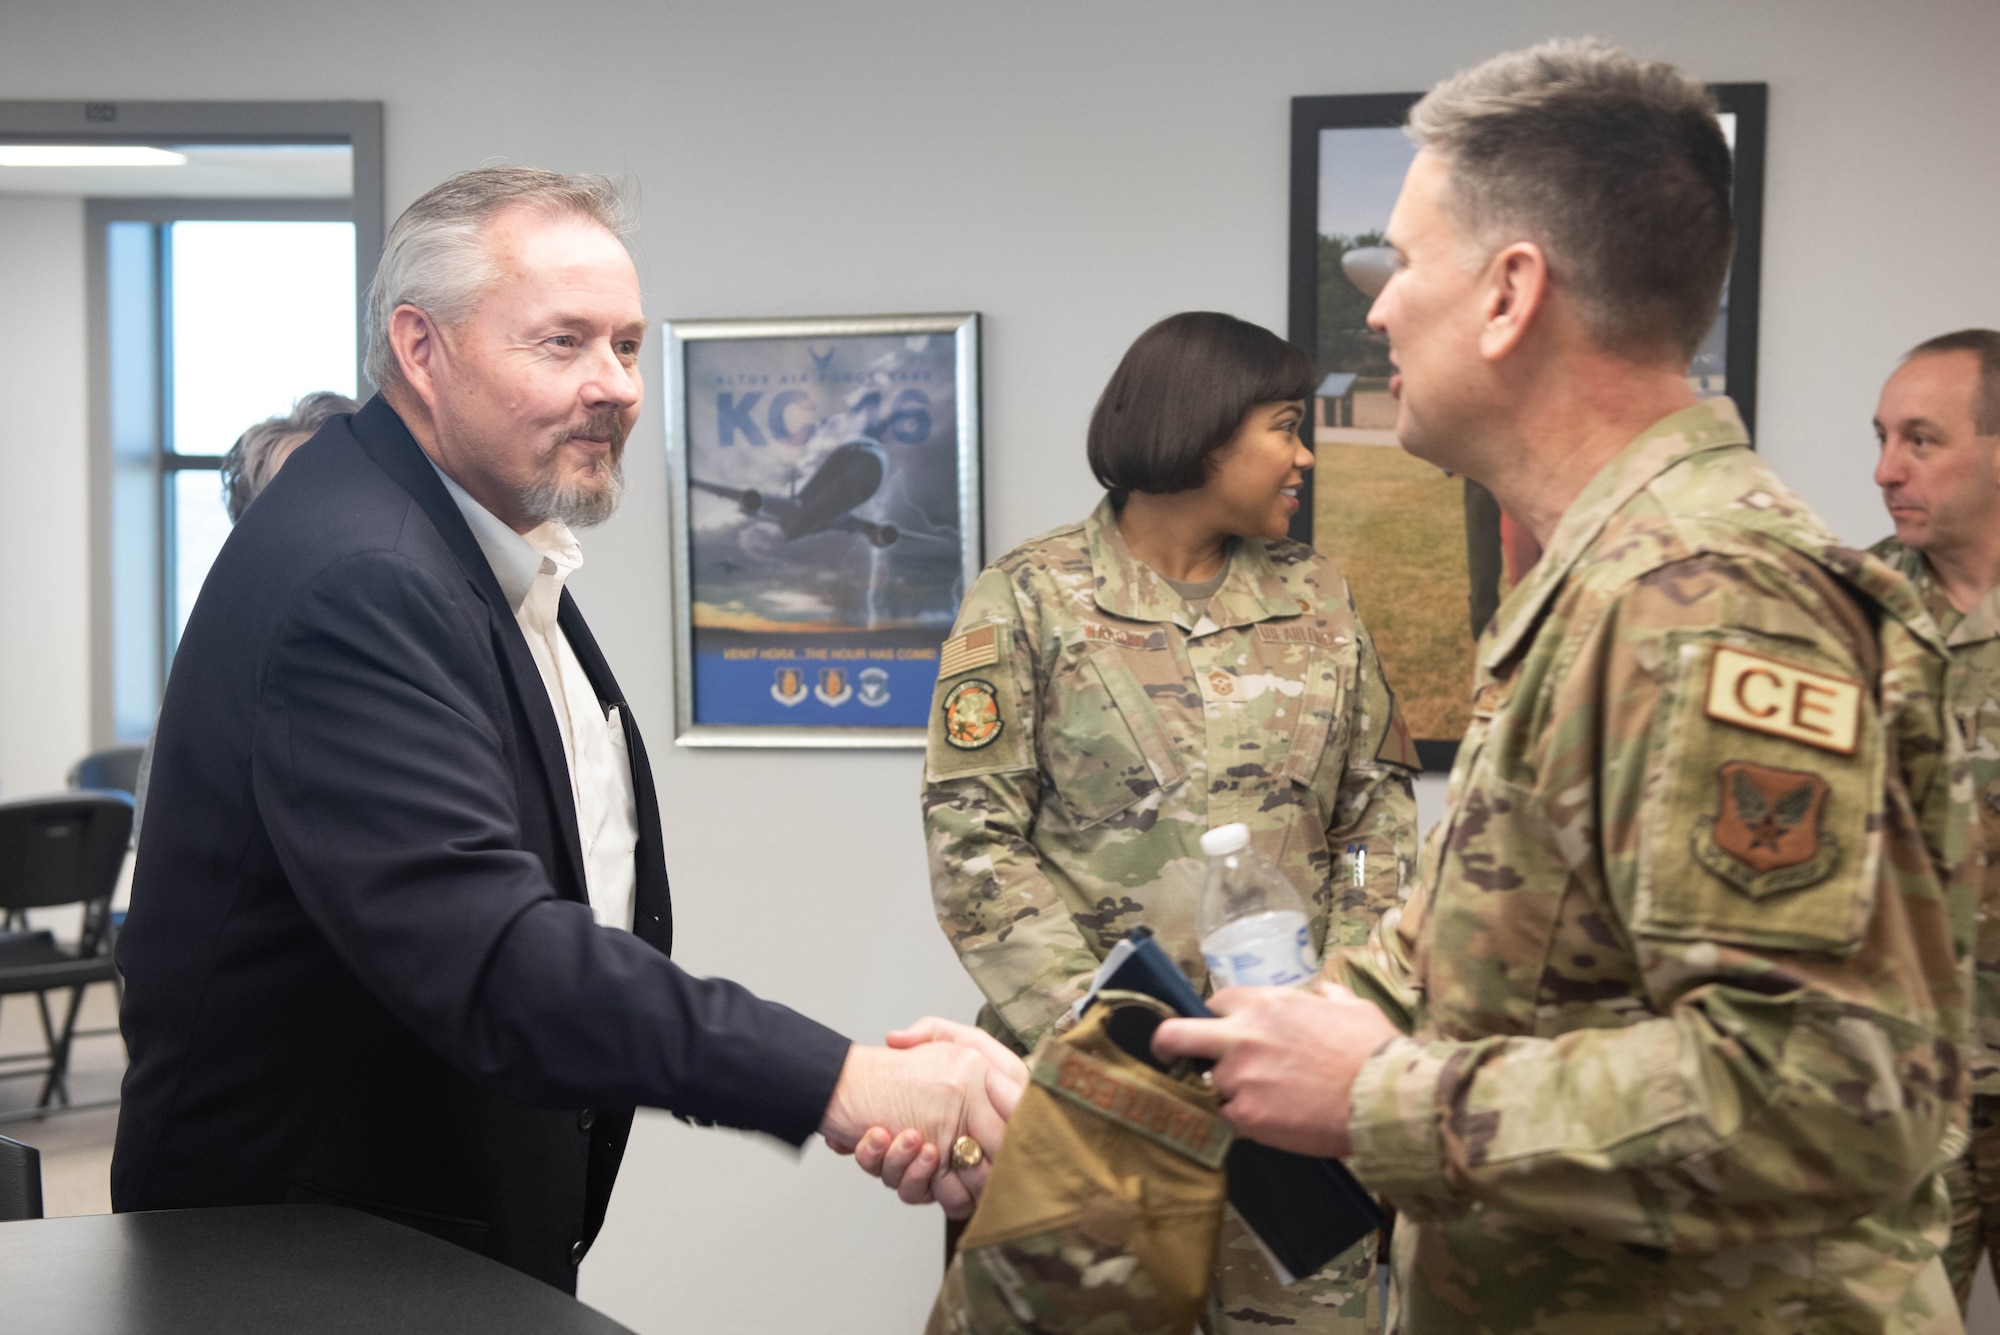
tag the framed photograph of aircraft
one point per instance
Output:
(826, 523)
(1430, 556)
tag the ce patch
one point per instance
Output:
(971, 715)
(1781, 699)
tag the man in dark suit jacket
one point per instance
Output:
(361, 962)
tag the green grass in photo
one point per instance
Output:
(1396, 525)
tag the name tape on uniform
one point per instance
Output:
(1782, 699)
(1124, 639)
(1294, 633)
(1103, 1089)
(977, 648)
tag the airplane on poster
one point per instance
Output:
(849, 477)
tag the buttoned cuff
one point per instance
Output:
(1392, 1123)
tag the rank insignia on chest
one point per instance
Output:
(971, 715)
(1767, 835)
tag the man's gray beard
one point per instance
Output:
(576, 504)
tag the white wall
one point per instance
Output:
(44, 478)
(1074, 171)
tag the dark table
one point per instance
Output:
(298, 1269)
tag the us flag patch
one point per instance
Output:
(976, 648)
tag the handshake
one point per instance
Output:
(927, 1113)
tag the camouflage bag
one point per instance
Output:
(1102, 1215)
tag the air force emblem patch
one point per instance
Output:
(1766, 835)
(971, 715)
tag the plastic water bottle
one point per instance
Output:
(1251, 920)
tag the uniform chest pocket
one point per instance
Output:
(1322, 716)
(1103, 744)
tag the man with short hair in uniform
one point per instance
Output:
(1939, 425)
(1669, 1035)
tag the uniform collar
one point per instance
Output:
(1710, 425)
(1979, 624)
(1128, 587)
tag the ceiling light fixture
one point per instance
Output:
(88, 155)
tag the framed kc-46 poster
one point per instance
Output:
(826, 508)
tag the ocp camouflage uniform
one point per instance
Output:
(1973, 701)
(1088, 730)
(1686, 968)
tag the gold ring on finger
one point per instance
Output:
(967, 1153)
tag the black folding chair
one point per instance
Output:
(115, 767)
(20, 1181)
(55, 851)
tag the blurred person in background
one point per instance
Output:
(1938, 422)
(261, 451)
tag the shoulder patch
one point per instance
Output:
(977, 648)
(1767, 835)
(1769, 695)
(1398, 747)
(971, 715)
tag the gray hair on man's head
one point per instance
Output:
(261, 451)
(435, 257)
(1616, 167)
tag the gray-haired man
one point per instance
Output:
(399, 926)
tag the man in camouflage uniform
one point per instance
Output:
(1091, 725)
(1669, 1034)
(1939, 425)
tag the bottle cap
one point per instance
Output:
(1226, 839)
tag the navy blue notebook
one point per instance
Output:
(1303, 1211)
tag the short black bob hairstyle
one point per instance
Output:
(1179, 395)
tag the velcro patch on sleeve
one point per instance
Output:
(976, 725)
(1781, 699)
(977, 648)
(1759, 830)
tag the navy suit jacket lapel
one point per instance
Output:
(652, 906)
(389, 442)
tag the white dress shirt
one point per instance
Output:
(531, 569)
